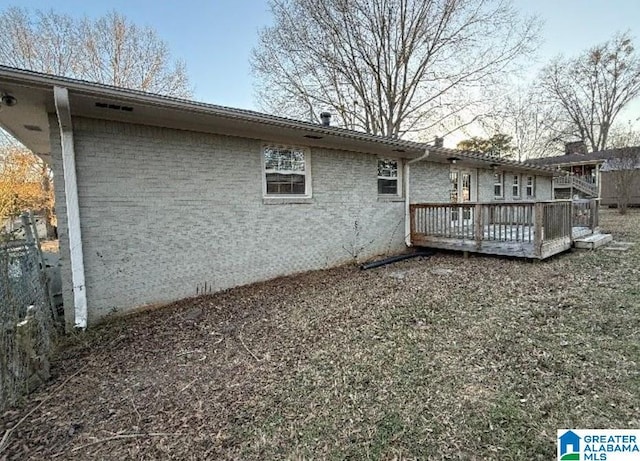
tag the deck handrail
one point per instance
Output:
(586, 184)
(532, 223)
(584, 213)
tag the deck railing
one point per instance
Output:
(492, 227)
(586, 184)
(585, 213)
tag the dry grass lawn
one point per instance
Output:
(483, 358)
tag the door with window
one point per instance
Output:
(462, 189)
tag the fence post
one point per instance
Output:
(594, 205)
(26, 226)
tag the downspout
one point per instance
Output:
(407, 197)
(63, 112)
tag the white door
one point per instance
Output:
(462, 189)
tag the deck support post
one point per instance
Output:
(478, 227)
(538, 220)
(594, 205)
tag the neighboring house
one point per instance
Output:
(160, 198)
(582, 172)
(621, 179)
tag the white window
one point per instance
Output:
(530, 186)
(497, 185)
(286, 171)
(516, 186)
(453, 186)
(389, 177)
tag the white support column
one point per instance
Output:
(63, 111)
(407, 196)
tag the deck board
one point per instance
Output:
(517, 240)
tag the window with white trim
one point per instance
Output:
(515, 188)
(286, 171)
(389, 177)
(498, 185)
(530, 187)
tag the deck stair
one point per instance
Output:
(587, 186)
(593, 241)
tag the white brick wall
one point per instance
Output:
(544, 188)
(429, 182)
(485, 186)
(165, 211)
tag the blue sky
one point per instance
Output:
(215, 37)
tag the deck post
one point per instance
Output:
(538, 220)
(594, 205)
(478, 227)
(572, 212)
(412, 222)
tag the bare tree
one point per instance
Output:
(593, 88)
(25, 183)
(108, 50)
(533, 123)
(498, 145)
(113, 50)
(623, 136)
(388, 67)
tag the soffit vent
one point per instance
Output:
(105, 105)
(32, 127)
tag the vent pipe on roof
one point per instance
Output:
(326, 118)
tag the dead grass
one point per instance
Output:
(426, 359)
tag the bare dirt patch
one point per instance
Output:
(482, 358)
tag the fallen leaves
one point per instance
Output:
(444, 357)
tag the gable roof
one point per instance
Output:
(576, 159)
(28, 120)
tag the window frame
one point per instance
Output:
(516, 189)
(397, 178)
(531, 186)
(307, 171)
(498, 180)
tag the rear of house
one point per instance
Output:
(168, 214)
(160, 199)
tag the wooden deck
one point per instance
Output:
(535, 230)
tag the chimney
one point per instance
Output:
(326, 118)
(438, 142)
(575, 147)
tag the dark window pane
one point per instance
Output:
(388, 186)
(283, 184)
